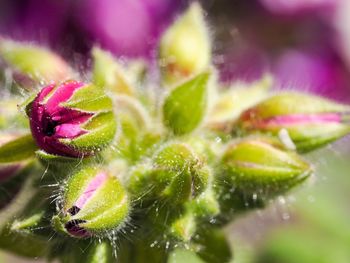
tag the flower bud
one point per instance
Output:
(261, 167)
(185, 46)
(175, 173)
(93, 202)
(304, 120)
(72, 119)
(109, 74)
(37, 63)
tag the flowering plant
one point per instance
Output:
(143, 164)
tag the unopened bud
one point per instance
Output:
(175, 173)
(94, 202)
(108, 74)
(260, 167)
(72, 119)
(185, 46)
(307, 121)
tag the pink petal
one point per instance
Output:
(68, 130)
(94, 184)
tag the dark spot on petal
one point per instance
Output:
(73, 210)
(74, 229)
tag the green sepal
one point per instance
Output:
(101, 131)
(34, 214)
(28, 223)
(186, 105)
(310, 137)
(89, 98)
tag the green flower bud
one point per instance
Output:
(185, 46)
(94, 202)
(37, 63)
(108, 74)
(260, 166)
(302, 121)
(175, 173)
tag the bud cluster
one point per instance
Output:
(116, 167)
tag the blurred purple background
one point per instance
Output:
(302, 42)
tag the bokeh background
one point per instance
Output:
(304, 44)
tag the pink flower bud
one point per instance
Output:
(309, 121)
(71, 119)
(94, 202)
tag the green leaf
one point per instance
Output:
(183, 255)
(186, 105)
(18, 150)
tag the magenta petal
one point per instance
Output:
(68, 131)
(50, 122)
(300, 119)
(62, 93)
(64, 115)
